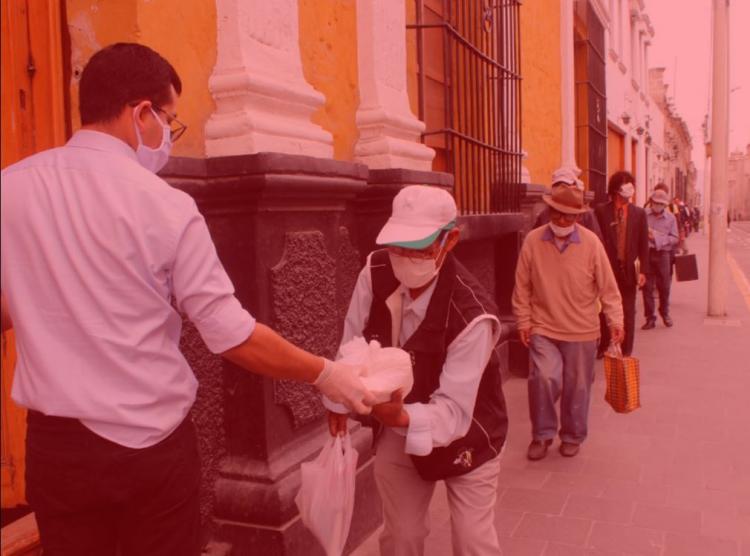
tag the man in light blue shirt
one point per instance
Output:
(663, 237)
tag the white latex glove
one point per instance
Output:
(340, 383)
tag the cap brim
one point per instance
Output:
(562, 208)
(409, 236)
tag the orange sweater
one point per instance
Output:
(556, 293)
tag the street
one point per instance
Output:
(670, 479)
(738, 245)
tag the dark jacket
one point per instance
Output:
(636, 242)
(588, 220)
(456, 301)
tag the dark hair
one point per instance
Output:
(663, 186)
(617, 180)
(121, 74)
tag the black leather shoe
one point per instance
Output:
(668, 322)
(538, 449)
(650, 323)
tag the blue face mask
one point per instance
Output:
(153, 159)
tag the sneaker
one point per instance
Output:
(568, 449)
(668, 322)
(650, 323)
(538, 449)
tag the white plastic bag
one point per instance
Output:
(386, 369)
(326, 498)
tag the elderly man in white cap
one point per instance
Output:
(565, 177)
(452, 426)
(562, 272)
(663, 237)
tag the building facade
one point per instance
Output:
(738, 180)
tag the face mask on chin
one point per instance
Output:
(561, 231)
(149, 158)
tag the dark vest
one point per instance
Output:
(457, 300)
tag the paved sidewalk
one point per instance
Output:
(671, 479)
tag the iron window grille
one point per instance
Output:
(469, 83)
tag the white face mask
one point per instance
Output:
(561, 231)
(415, 273)
(627, 190)
(657, 208)
(154, 159)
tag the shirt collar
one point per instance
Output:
(100, 141)
(419, 305)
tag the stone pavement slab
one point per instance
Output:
(670, 479)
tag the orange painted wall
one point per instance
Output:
(540, 68)
(328, 46)
(183, 32)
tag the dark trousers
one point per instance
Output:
(94, 497)
(628, 293)
(659, 278)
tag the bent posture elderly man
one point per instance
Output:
(95, 248)
(452, 425)
(562, 272)
(663, 237)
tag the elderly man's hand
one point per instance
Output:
(392, 413)
(617, 334)
(641, 280)
(337, 423)
(524, 334)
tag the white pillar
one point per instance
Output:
(567, 85)
(263, 102)
(717, 254)
(389, 133)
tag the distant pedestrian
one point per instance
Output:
(625, 233)
(662, 238)
(562, 275)
(565, 177)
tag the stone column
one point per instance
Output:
(263, 102)
(389, 132)
(567, 86)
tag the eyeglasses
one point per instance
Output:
(176, 127)
(430, 252)
(557, 215)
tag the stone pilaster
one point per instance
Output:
(389, 132)
(263, 103)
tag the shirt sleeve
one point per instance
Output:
(204, 292)
(522, 291)
(448, 415)
(609, 294)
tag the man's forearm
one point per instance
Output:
(267, 353)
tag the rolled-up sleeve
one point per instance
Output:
(204, 292)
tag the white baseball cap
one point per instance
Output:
(420, 213)
(566, 175)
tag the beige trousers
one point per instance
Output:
(406, 500)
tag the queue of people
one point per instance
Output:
(108, 390)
